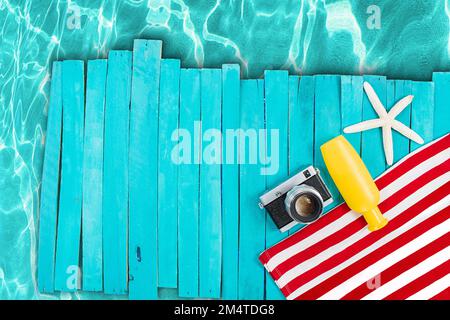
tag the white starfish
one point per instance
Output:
(386, 121)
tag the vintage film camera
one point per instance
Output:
(300, 199)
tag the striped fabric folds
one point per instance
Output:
(337, 257)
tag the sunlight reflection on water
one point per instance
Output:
(304, 37)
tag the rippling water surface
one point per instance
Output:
(400, 39)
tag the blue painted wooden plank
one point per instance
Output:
(390, 92)
(277, 124)
(400, 142)
(188, 183)
(230, 182)
(301, 126)
(67, 275)
(93, 176)
(352, 107)
(50, 183)
(210, 227)
(294, 131)
(115, 173)
(252, 184)
(422, 111)
(391, 95)
(441, 103)
(168, 175)
(168, 294)
(294, 160)
(327, 125)
(143, 170)
(372, 144)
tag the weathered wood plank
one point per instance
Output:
(372, 143)
(115, 174)
(67, 275)
(301, 126)
(168, 175)
(188, 183)
(230, 182)
(441, 103)
(48, 213)
(422, 117)
(352, 107)
(143, 170)
(327, 124)
(400, 142)
(251, 185)
(93, 176)
(277, 124)
(210, 227)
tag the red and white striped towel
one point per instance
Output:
(337, 257)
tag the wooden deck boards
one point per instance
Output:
(147, 200)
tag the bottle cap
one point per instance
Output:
(375, 219)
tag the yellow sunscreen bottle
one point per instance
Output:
(353, 180)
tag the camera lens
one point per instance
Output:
(304, 204)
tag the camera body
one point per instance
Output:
(300, 199)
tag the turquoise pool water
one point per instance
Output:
(400, 39)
